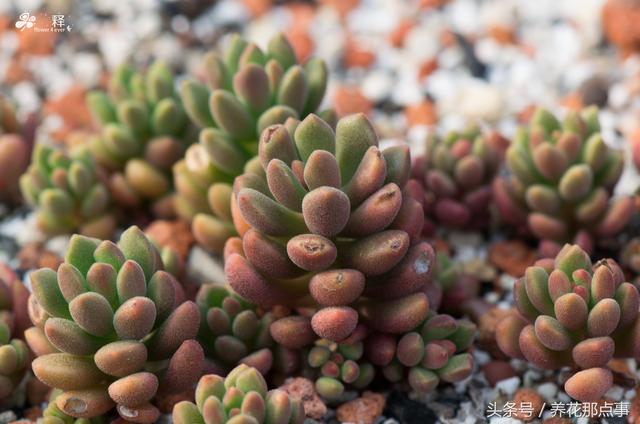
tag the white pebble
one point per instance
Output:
(548, 391)
(508, 386)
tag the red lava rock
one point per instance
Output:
(257, 7)
(502, 34)
(175, 235)
(304, 390)
(427, 68)
(496, 371)
(529, 397)
(357, 56)
(72, 108)
(512, 257)
(423, 113)
(397, 36)
(34, 255)
(350, 100)
(620, 24)
(363, 410)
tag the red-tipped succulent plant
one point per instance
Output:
(433, 352)
(232, 331)
(456, 172)
(68, 193)
(15, 150)
(111, 329)
(330, 227)
(335, 366)
(144, 130)
(247, 90)
(240, 398)
(561, 178)
(577, 314)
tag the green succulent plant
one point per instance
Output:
(574, 313)
(67, 193)
(560, 183)
(433, 352)
(144, 130)
(14, 354)
(330, 227)
(240, 398)
(247, 89)
(340, 365)
(110, 331)
(232, 331)
(456, 172)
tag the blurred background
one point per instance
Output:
(412, 65)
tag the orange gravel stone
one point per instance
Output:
(173, 234)
(528, 405)
(357, 56)
(348, 100)
(512, 257)
(423, 113)
(397, 36)
(363, 410)
(72, 108)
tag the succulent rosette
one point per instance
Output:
(111, 329)
(330, 228)
(232, 331)
(433, 352)
(247, 89)
(456, 172)
(577, 314)
(240, 398)
(144, 130)
(68, 193)
(14, 354)
(15, 150)
(561, 178)
(338, 365)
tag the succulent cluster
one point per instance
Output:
(144, 130)
(247, 90)
(232, 332)
(337, 365)
(67, 193)
(456, 172)
(240, 398)
(111, 329)
(560, 182)
(430, 353)
(14, 152)
(573, 313)
(14, 354)
(330, 224)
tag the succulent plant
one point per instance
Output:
(562, 175)
(110, 331)
(430, 353)
(144, 130)
(573, 313)
(14, 354)
(240, 398)
(635, 149)
(247, 89)
(232, 331)
(630, 255)
(456, 173)
(15, 149)
(340, 365)
(67, 193)
(330, 228)
(53, 415)
(456, 286)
